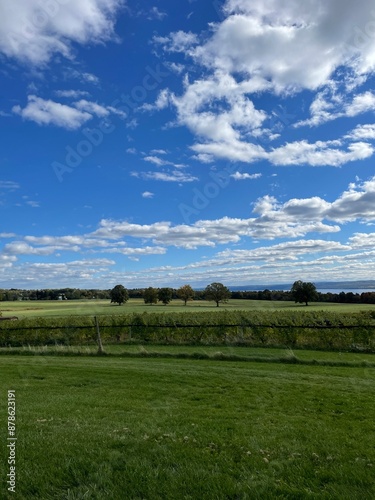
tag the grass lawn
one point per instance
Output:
(118, 428)
(26, 309)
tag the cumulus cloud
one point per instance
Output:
(291, 44)
(271, 219)
(324, 109)
(319, 154)
(274, 47)
(48, 112)
(363, 240)
(361, 132)
(32, 31)
(357, 203)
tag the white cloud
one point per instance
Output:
(161, 102)
(155, 13)
(173, 176)
(156, 160)
(357, 203)
(147, 194)
(9, 185)
(279, 47)
(7, 235)
(83, 77)
(272, 219)
(179, 41)
(319, 154)
(74, 94)
(6, 261)
(362, 132)
(234, 151)
(47, 112)
(328, 106)
(289, 43)
(32, 31)
(158, 152)
(91, 107)
(23, 248)
(239, 176)
(32, 203)
(362, 103)
(146, 250)
(363, 240)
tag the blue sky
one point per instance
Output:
(163, 143)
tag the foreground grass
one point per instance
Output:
(44, 308)
(168, 429)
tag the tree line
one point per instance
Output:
(216, 292)
(14, 294)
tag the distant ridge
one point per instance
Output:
(320, 285)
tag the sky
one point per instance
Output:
(163, 143)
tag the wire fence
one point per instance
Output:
(360, 337)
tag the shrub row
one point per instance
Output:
(316, 329)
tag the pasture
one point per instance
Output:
(118, 428)
(49, 308)
(201, 421)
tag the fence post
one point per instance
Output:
(99, 339)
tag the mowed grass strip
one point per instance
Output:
(222, 353)
(165, 429)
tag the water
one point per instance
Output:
(345, 290)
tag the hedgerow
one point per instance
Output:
(315, 329)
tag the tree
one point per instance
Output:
(217, 292)
(119, 295)
(165, 295)
(185, 293)
(150, 295)
(303, 292)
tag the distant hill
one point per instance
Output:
(320, 285)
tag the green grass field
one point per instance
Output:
(187, 422)
(119, 428)
(26, 309)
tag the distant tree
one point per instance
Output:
(165, 295)
(185, 293)
(119, 295)
(303, 292)
(150, 295)
(217, 292)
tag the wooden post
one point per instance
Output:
(99, 339)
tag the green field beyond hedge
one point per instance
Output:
(43, 308)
